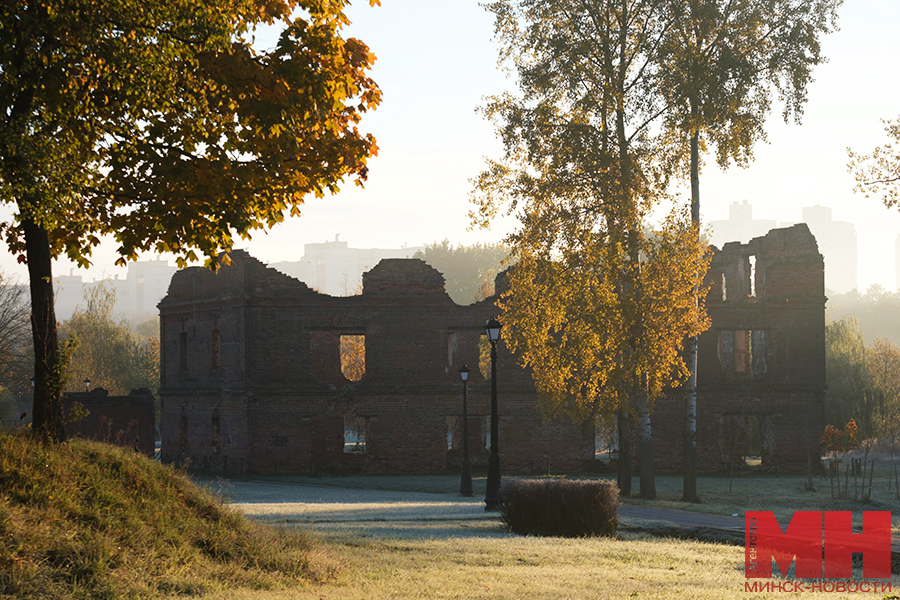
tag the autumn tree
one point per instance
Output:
(469, 271)
(158, 123)
(883, 365)
(105, 351)
(878, 174)
(584, 163)
(723, 60)
(851, 394)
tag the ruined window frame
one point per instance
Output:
(216, 347)
(352, 355)
(182, 352)
(743, 353)
(356, 435)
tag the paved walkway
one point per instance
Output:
(411, 513)
(419, 514)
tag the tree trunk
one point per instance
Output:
(690, 402)
(47, 419)
(625, 436)
(648, 478)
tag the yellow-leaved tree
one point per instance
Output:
(615, 98)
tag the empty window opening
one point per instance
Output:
(454, 432)
(743, 352)
(215, 437)
(182, 352)
(451, 348)
(486, 432)
(216, 345)
(753, 451)
(484, 357)
(353, 356)
(606, 439)
(760, 363)
(751, 260)
(354, 435)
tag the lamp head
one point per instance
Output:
(492, 329)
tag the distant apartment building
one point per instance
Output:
(145, 284)
(335, 269)
(836, 240)
(837, 243)
(739, 227)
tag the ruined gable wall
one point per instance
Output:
(279, 400)
(762, 363)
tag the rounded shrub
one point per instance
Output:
(559, 507)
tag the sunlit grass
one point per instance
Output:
(88, 520)
(486, 563)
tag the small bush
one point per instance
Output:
(559, 507)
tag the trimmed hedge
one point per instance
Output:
(559, 507)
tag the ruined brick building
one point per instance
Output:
(761, 374)
(251, 375)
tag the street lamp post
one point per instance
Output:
(492, 496)
(87, 384)
(465, 482)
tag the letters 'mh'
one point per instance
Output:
(803, 539)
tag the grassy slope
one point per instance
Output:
(87, 520)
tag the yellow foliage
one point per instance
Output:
(590, 343)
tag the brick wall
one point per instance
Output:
(128, 421)
(784, 403)
(278, 400)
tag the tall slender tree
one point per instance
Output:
(584, 163)
(157, 122)
(723, 59)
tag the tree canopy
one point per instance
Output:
(469, 271)
(722, 60)
(157, 122)
(585, 161)
(106, 352)
(878, 173)
(615, 98)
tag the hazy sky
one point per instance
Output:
(436, 61)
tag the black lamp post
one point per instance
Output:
(87, 384)
(492, 497)
(465, 481)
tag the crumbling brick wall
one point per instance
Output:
(761, 373)
(251, 374)
(276, 399)
(128, 421)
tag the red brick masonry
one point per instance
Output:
(251, 370)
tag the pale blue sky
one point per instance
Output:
(436, 60)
